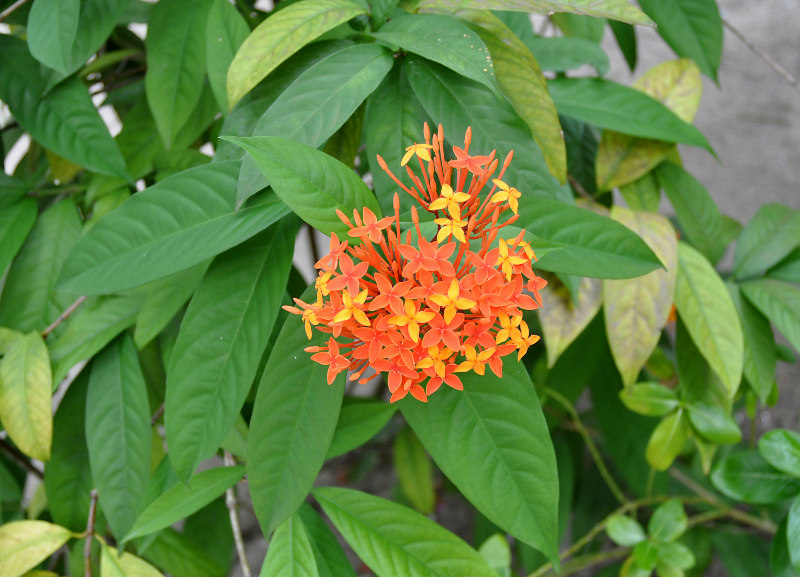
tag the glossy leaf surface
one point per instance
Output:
(746, 476)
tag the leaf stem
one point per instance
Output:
(63, 316)
(593, 451)
(87, 547)
(20, 459)
(232, 503)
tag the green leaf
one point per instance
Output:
(459, 103)
(293, 421)
(311, 183)
(625, 35)
(222, 337)
(444, 40)
(178, 554)
(52, 28)
(760, 356)
(651, 399)
(714, 422)
(68, 477)
(33, 275)
(118, 433)
(498, 423)
(181, 500)
(395, 541)
(692, 28)
(793, 532)
(331, 560)
(780, 303)
(705, 306)
(414, 472)
(588, 244)
(166, 228)
(393, 121)
(697, 212)
(615, 9)
(667, 440)
(116, 564)
(226, 30)
(281, 35)
(622, 109)
(64, 120)
(643, 193)
(164, 299)
(561, 54)
(625, 531)
(497, 554)
(90, 329)
(359, 421)
(176, 56)
(314, 106)
(747, 477)
(25, 544)
(781, 449)
(780, 562)
(562, 319)
(25, 396)
(581, 152)
(580, 26)
(742, 554)
(772, 234)
(16, 222)
(668, 522)
(290, 551)
(522, 82)
(636, 309)
(673, 558)
(787, 270)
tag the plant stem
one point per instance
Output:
(157, 415)
(232, 504)
(11, 9)
(87, 547)
(596, 457)
(20, 459)
(63, 316)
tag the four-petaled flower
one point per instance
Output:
(506, 194)
(420, 150)
(449, 200)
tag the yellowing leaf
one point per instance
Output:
(280, 36)
(126, 565)
(562, 321)
(25, 544)
(621, 158)
(26, 396)
(636, 309)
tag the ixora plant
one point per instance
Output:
(161, 357)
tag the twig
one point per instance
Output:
(20, 459)
(787, 76)
(598, 459)
(11, 9)
(63, 316)
(87, 547)
(591, 559)
(232, 504)
(157, 415)
(578, 187)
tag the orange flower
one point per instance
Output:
(424, 311)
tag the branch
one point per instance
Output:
(87, 547)
(771, 62)
(15, 455)
(11, 9)
(232, 504)
(63, 316)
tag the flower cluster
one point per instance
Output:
(423, 309)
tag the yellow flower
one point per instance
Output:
(351, 308)
(508, 193)
(451, 226)
(449, 200)
(420, 150)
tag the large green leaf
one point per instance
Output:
(499, 424)
(318, 103)
(622, 109)
(280, 36)
(760, 356)
(25, 396)
(747, 477)
(290, 551)
(706, 308)
(772, 234)
(25, 544)
(64, 120)
(118, 433)
(444, 40)
(170, 226)
(780, 562)
(781, 449)
(331, 560)
(395, 541)
(309, 181)
(697, 212)
(651, 399)
(522, 82)
(181, 500)
(692, 28)
(414, 471)
(560, 54)
(793, 532)
(68, 477)
(780, 303)
(636, 309)
(584, 243)
(394, 119)
(28, 301)
(178, 554)
(359, 421)
(226, 30)
(616, 9)
(459, 103)
(293, 421)
(16, 222)
(222, 337)
(176, 58)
